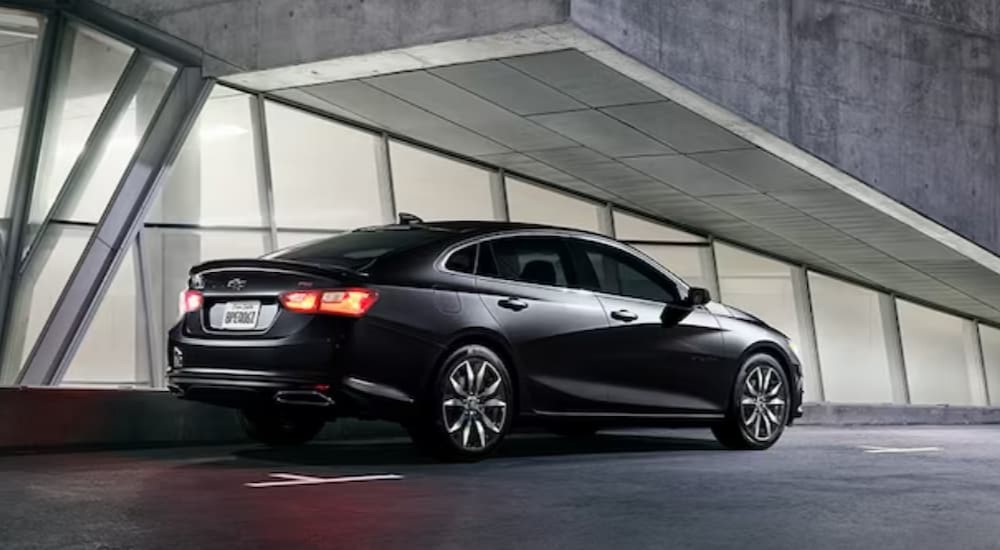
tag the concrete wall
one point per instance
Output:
(264, 34)
(902, 94)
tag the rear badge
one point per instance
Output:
(236, 284)
(305, 284)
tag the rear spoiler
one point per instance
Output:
(322, 270)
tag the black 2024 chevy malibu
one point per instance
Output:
(457, 330)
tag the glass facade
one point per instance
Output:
(256, 174)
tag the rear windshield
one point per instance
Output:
(359, 249)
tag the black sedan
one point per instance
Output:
(458, 330)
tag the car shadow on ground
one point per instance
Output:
(402, 452)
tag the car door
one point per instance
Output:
(650, 366)
(526, 283)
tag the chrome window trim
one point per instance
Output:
(633, 252)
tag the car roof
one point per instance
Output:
(469, 228)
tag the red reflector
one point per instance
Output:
(352, 302)
(190, 301)
(321, 387)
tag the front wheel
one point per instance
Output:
(469, 410)
(280, 427)
(759, 407)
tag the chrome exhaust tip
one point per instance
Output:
(303, 397)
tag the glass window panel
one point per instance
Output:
(634, 228)
(214, 180)
(851, 342)
(86, 202)
(759, 285)
(934, 355)
(534, 204)
(690, 263)
(293, 238)
(41, 285)
(56, 251)
(19, 34)
(88, 69)
(109, 351)
(990, 339)
(324, 174)
(435, 187)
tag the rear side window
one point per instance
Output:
(538, 260)
(360, 248)
(462, 260)
(611, 271)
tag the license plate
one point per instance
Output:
(240, 315)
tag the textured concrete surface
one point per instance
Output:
(902, 94)
(819, 488)
(834, 414)
(263, 34)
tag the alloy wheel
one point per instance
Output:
(763, 403)
(474, 405)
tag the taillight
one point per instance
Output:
(189, 301)
(352, 302)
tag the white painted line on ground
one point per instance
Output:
(899, 450)
(291, 480)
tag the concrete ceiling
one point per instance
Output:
(569, 119)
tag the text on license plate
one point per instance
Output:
(240, 315)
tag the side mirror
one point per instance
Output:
(698, 296)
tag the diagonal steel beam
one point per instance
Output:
(90, 155)
(81, 296)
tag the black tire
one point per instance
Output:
(446, 418)
(758, 425)
(280, 427)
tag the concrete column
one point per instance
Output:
(606, 221)
(498, 192)
(386, 192)
(710, 270)
(894, 349)
(807, 344)
(974, 366)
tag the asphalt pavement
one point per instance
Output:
(820, 487)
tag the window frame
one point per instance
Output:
(567, 235)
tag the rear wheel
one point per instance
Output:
(469, 409)
(280, 427)
(759, 408)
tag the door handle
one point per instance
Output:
(624, 315)
(514, 304)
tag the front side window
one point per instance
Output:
(611, 271)
(538, 260)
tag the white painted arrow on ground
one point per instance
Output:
(291, 480)
(899, 450)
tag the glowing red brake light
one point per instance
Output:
(190, 301)
(351, 302)
(303, 301)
